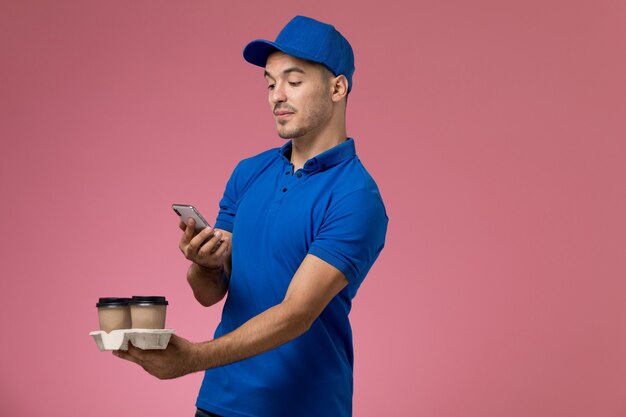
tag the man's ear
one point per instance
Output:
(340, 88)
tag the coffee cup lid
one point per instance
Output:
(148, 300)
(112, 302)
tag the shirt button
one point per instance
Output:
(299, 175)
(284, 190)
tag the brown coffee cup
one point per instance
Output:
(148, 312)
(114, 313)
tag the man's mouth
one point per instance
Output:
(283, 110)
(283, 114)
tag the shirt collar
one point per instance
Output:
(326, 159)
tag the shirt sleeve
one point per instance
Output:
(352, 234)
(229, 203)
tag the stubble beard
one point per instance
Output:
(316, 119)
(286, 133)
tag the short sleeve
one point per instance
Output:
(352, 234)
(228, 203)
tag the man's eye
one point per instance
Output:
(295, 83)
(270, 87)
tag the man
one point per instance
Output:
(298, 229)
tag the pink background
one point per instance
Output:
(495, 130)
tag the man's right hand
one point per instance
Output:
(208, 248)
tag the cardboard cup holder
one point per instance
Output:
(145, 339)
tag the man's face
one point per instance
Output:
(299, 94)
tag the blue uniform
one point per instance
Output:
(332, 209)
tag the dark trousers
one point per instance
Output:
(204, 413)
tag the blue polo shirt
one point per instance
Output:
(331, 208)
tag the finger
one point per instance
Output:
(221, 251)
(211, 245)
(175, 340)
(126, 356)
(189, 231)
(202, 237)
(186, 237)
(182, 225)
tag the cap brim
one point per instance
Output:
(256, 52)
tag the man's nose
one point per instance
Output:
(277, 95)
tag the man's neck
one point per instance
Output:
(317, 141)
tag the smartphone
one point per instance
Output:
(186, 211)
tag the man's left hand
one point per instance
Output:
(176, 360)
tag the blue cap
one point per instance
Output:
(308, 39)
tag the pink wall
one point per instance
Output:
(495, 131)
